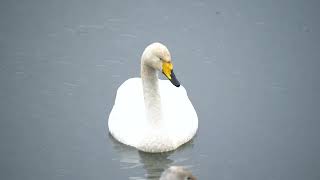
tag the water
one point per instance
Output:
(250, 68)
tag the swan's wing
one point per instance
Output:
(130, 92)
(127, 118)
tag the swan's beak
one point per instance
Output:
(167, 70)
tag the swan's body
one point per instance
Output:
(151, 114)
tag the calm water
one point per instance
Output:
(251, 70)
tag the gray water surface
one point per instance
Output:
(251, 70)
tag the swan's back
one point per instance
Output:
(129, 125)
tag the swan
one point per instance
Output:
(153, 115)
(177, 173)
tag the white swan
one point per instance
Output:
(151, 114)
(177, 173)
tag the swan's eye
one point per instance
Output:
(164, 60)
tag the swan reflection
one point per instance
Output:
(153, 163)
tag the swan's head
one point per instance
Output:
(157, 56)
(177, 173)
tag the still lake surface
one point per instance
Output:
(251, 70)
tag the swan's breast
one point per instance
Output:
(179, 115)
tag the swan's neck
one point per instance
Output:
(151, 94)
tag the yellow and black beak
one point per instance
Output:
(167, 70)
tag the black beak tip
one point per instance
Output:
(174, 80)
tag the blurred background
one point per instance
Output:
(251, 70)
